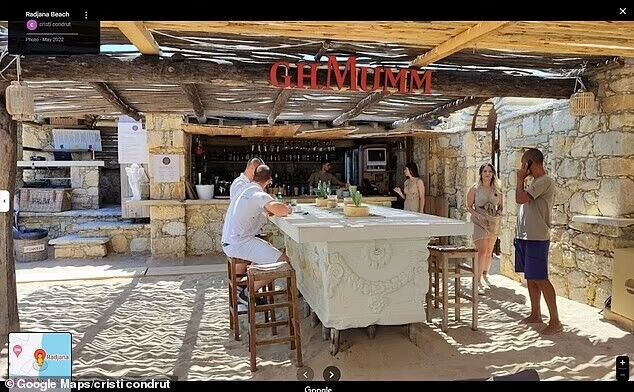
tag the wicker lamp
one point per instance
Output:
(582, 101)
(20, 102)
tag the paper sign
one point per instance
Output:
(132, 143)
(166, 168)
(77, 139)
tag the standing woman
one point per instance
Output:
(414, 189)
(484, 202)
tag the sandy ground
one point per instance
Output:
(178, 326)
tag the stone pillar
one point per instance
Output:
(167, 230)
(85, 183)
(166, 136)
(612, 132)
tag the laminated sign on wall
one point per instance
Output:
(77, 139)
(166, 168)
(132, 142)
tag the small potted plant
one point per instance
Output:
(356, 209)
(322, 194)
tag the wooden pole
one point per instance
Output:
(9, 320)
(116, 100)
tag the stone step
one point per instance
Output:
(125, 236)
(74, 246)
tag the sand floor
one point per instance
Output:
(155, 327)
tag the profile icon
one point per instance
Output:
(31, 24)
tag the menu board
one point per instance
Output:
(132, 142)
(77, 139)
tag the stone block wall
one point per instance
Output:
(591, 159)
(165, 136)
(204, 228)
(168, 230)
(86, 191)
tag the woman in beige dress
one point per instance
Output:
(414, 194)
(484, 202)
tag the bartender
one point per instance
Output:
(324, 175)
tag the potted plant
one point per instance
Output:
(322, 194)
(356, 209)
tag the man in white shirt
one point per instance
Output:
(244, 178)
(243, 223)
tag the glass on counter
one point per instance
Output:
(332, 201)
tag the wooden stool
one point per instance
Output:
(235, 281)
(284, 271)
(445, 260)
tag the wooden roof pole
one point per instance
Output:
(280, 101)
(366, 102)
(192, 91)
(456, 43)
(139, 36)
(115, 100)
(441, 110)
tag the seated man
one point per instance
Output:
(243, 224)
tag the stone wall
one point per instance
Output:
(165, 136)
(85, 184)
(63, 223)
(591, 159)
(168, 230)
(204, 228)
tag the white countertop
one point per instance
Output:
(60, 163)
(330, 225)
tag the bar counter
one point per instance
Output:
(362, 272)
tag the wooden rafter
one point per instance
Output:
(156, 70)
(365, 103)
(280, 101)
(442, 110)
(458, 42)
(264, 131)
(193, 95)
(115, 100)
(139, 36)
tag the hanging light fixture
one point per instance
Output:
(581, 101)
(19, 97)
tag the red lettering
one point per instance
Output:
(364, 79)
(312, 76)
(351, 66)
(273, 75)
(401, 79)
(415, 82)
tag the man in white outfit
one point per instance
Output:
(244, 178)
(243, 223)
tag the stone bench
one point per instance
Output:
(76, 247)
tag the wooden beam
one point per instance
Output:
(115, 100)
(280, 101)
(456, 43)
(363, 104)
(139, 36)
(156, 70)
(192, 91)
(599, 38)
(326, 133)
(263, 131)
(442, 110)
(9, 319)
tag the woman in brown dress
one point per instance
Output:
(414, 194)
(484, 202)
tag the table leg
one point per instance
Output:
(334, 341)
(371, 331)
(325, 332)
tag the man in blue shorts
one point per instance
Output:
(533, 237)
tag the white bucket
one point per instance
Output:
(205, 192)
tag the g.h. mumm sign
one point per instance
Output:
(331, 77)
